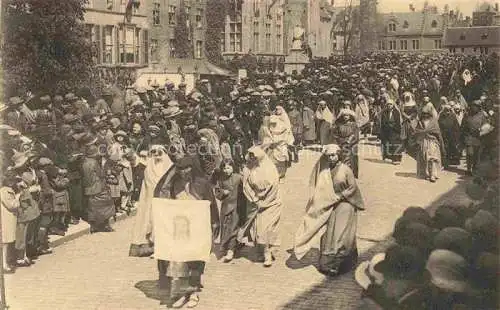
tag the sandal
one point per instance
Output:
(194, 299)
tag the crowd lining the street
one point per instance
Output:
(77, 157)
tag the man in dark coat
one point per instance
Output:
(390, 133)
(450, 130)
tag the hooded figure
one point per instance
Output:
(345, 133)
(331, 212)
(450, 130)
(325, 120)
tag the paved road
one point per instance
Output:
(94, 271)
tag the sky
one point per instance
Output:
(388, 6)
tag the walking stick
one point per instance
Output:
(3, 303)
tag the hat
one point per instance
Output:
(115, 122)
(447, 216)
(405, 231)
(45, 99)
(140, 90)
(173, 103)
(92, 151)
(149, 88)
(483, 225)
(171, 111)
(365, 272)
(154, 128)
(58, 98)
(70, 97)
(106, 92)
(70, 118)
(419, 215)
(331, 149)
(19, 159)
(184, 163)
(44, 161)
(243, 99)
(88, 139)
(477, 103)
(346, 112)
(448, 271)
(120, 133)
(182, 85)
(401, 262)
(455, 239)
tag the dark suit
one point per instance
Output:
(390, 135)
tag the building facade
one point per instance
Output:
(254, 26)
(411, 31)
(116, 41)
(481, 38)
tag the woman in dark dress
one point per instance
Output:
(346, 135)
(390, 133)
(229, 191)
(450, 130)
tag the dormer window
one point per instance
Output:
(434, 24)
(406, 24)
(462, 36)
(392, 27)
(484, 36)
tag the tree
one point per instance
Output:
(216, 21)
(348, 23)
(45, 47)
(183, 46)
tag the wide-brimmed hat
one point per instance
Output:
(365, 272)
(405, 231)
(349, 112)
(171, 111)
(70, 97)
(154, 128)
(455, 239)
(448, 271)
(401, 261)
(14, 101)
(140, 90)
(70, 118)
(115, 122)
(120, 133)
(19, 159)
(44, 161)
(106, 92)
(173, 103)
(448, 216)
(483, 223)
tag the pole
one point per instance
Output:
(3, 303)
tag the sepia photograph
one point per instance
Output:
(249, 154)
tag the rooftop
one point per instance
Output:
(472, 36)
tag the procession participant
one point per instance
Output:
(96, 192)
(390, 133)
(428, 105)
(261, 188)
(180, 183)
(450, 130)
(362, 110)
(309, 125)
(28, 212)
(157, 163)
(59, 185)
(331, 214)
(13, 116)
(471, 126)
(10, 204)
(138, 166)
(136, 136)
(276, 145)
(325, 120)
(297, 124)
(345, 133)
(430, 145)
(229, 191)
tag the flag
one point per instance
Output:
(182, 230)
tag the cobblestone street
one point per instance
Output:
(95, 272)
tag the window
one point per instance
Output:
(434, 24)
(392, 45)
(235, 37)
(172, 48)
(127, 48)
(406, 24)
(380, 45)
(107, 45)
(392, 27)
(268, 42)
(416, 44)
(137, 45)
(223, 41)
(278, 43)
(154, 50)
(452, 50)
(463, 50)
(475, 49)
(403, 45)
(278, 17)
(171, 14)
(484, 36)
(156, 13)
(437, 44)
(199, 48)
(188, 9)
(199, 18)
(95, 39)
(109, 4)
(256, 45)
(145, 47)
(462, 36)
(486, 51)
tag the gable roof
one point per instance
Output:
(417, 23)
(472, 36)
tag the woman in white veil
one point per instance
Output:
(142, 239)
